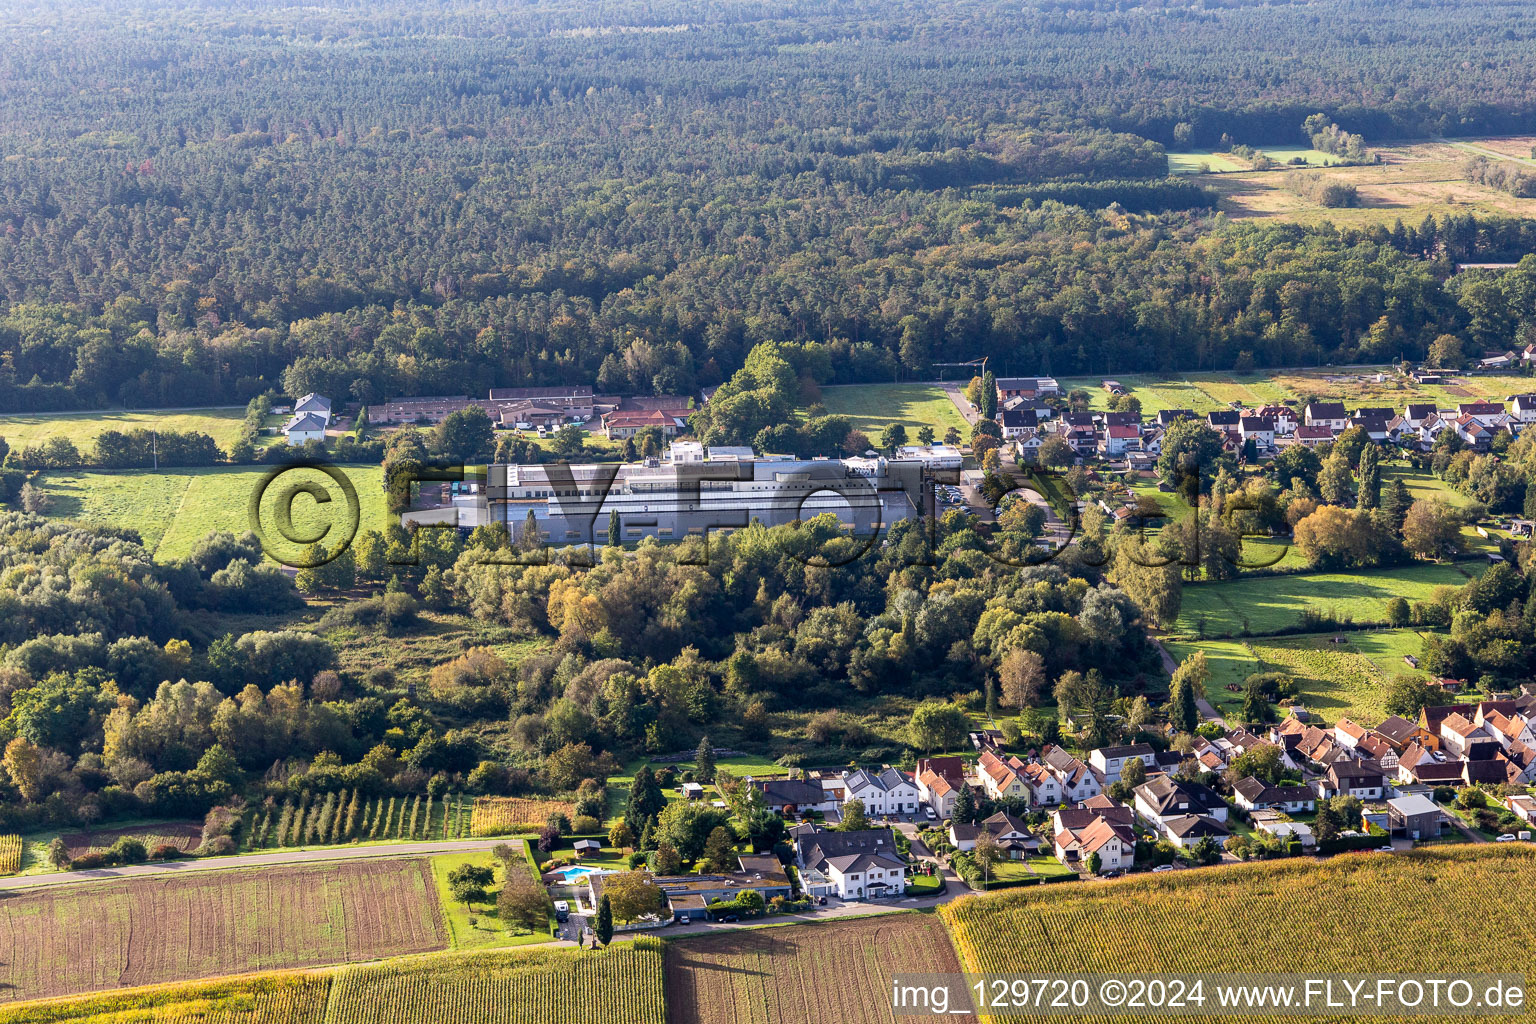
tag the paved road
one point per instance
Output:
(252, 860)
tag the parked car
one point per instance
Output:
(1507, 837)
(1161, 868)
(1384, 849)
(928, 813)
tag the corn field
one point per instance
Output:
(499, 815)
(275, 999)
(348, 816)
(1430, 910)
(621, 984)
(10, 854)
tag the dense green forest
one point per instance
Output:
(208, 202)
(203, 201)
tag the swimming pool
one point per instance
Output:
(575, 872)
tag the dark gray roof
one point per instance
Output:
(1196, 825)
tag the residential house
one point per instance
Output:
(1162, 797)
(1310, 436)
(1028, 445)
(1122, 419)
(1489, 414)
(794, 797)
(1352, 778)
(1420, 765)
(1185, 830)
(1473, 432)
(888, 791)
(619, 426)
(1396, 731)
(1001, 778)
(1415, 816)
(1167, 417)
(1519, 762)
(1377, 428)
(1079, 833)
(1078, 782)
(1417, 412)
(1258, 429)
(1348, 733)
(689, 896)
(1014, 422)
(1011, 833)
(1522, 807)
(852, 865)
(1026, 387)
(1460, 737)
(1223, 419)
(938, 782)
(304, 426)
(317, 405)
(1118, 441)
(1283, 417)
(1253, 794)
(1110, 761)
(1506, 729)
(1523, 408)
(1045, 789)
(1326, 414)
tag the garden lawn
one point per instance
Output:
(1265, 605)
(871, 407)
(487, 930)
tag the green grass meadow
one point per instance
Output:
(1345, 679)
(173, 508)
(1260, 605)
(21, 429)
(872, 406)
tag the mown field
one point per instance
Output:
(113, 934)
(1260, 605)
(1345, 679)
(1415, 913)
(839, 971)
(872, 407)
(618, 985)
(1356, 387)
(1412, 181)
(20, 429)
(174, 508)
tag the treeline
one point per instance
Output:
(1323, 191)
(1004, 282)
(1164, 193)
(522, 206)
(1504, 175)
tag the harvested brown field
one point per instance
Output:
(834, 973)
(184, 835)
(65, 940)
